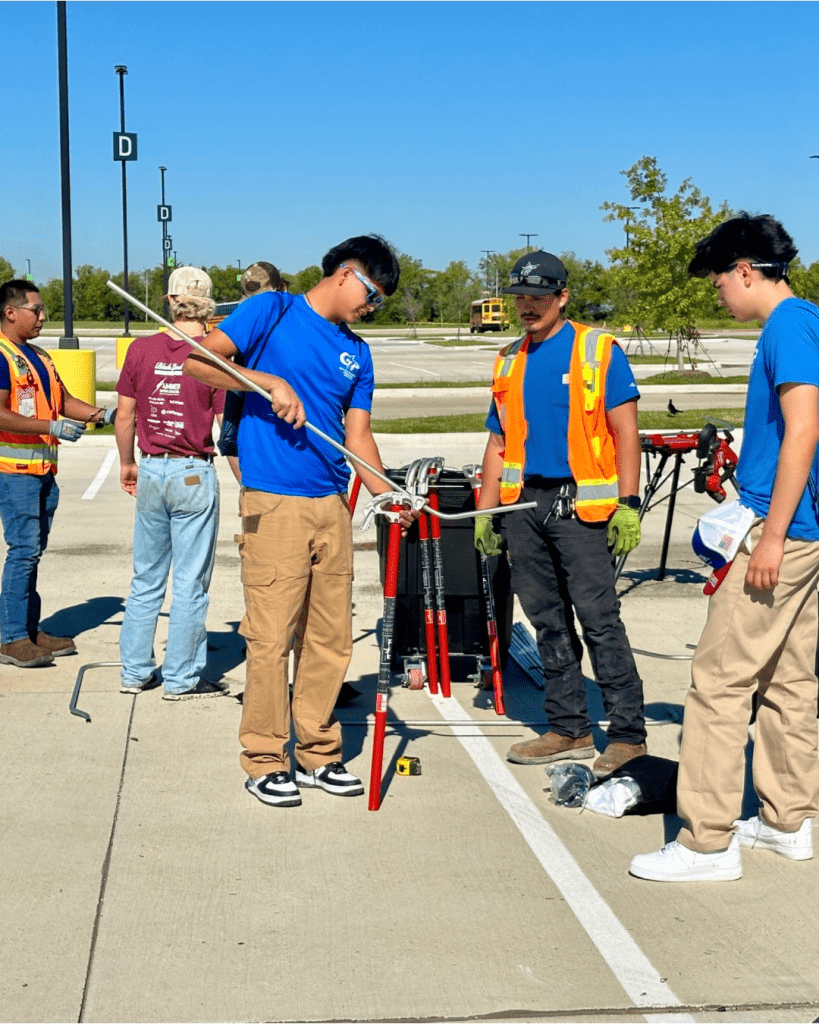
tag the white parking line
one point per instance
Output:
(633, 970)
(418, 369)
(99, 479)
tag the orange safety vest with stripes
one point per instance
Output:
(591, 446)
(33, 454)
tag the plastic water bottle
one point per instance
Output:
(570, 783)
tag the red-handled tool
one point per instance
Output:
(385, 665)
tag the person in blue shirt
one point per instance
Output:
(296, 540)
(585, 484)
(761, 633)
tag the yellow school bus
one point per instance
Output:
(487, 315)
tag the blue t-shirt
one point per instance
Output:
(787, 353)
(39, 368)
(331, 371)
(546, 401)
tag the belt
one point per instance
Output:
(173, 455)
(546, 483)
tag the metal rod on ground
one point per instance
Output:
(472, 473)
(385, 665)
(236, 373)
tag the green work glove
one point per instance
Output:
(624, 530)
(486, 540)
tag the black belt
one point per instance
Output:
(546, 483)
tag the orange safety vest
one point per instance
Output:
(591, 446)
(34, 454)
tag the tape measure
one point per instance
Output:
(408, 766)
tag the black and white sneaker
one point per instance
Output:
(276, 789)
(333, 777)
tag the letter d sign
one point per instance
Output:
(125, 146)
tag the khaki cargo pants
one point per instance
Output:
(296, 558)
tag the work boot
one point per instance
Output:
(615, 756)
(24, 654)
(56, 645)
(551, 746)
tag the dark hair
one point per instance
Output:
(375, 255)
(13, 293)
(756, 239)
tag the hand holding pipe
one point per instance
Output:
(234, 371)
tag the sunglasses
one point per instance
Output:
(374, 296)
(536, 281)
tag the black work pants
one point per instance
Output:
(561, 565)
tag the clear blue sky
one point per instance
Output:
(447, 127)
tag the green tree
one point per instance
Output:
(52, 296)
(305, 279)
(589, 298)
(650, 274)
(93, 299)
(413, 299)
(225, 286)
(452, 290)
(6, 271)
(805, 280)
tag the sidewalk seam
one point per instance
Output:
(104, 873)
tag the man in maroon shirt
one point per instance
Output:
(170, 415)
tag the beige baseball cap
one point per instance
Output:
(190, 281)
(262, 277)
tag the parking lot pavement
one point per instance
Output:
(142, 883)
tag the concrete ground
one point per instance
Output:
(142, 883)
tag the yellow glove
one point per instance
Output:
(486, 540)
(623, 531)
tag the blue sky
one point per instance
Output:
(448, 127)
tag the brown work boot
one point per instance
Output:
(615, 756)
(24, 654)
(56, 645)
(551, 746)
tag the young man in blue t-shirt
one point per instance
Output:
(761, 631)
(559, 550)
(296, 541)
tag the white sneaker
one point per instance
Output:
(755, 834)
(676, 863)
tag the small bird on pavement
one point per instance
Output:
(672, 409)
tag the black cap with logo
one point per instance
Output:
(537, 273)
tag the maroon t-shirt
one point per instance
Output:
(174, 412)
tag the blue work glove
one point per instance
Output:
(66, 430)
(623, 530)
(486, 540)
(110, 416)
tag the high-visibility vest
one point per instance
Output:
(34, 454)
(590, 445)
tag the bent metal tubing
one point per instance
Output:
(230, 368)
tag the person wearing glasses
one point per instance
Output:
(563, 433)
(33, 401)
(760, 637)
(296, 540)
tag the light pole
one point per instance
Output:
(68, 341)
(164, 247)
(122, 71)
(488, 253)
(523, 234)
(28, 272)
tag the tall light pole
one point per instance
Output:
(124, 150)
(28, 272)
(523, 234)
(488, 253)
(68, 341)
(165, 247)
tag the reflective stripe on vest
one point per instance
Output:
(33, 454)
(590, 445)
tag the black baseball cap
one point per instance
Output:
(537, 273)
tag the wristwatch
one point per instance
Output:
(630, 500)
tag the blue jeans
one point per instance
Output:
(27, 507)
(176, 520)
